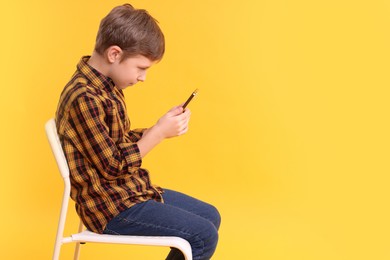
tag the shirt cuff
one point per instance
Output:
(131, 153)
(136, 134)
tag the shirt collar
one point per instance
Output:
(95, 77)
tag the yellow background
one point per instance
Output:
(289, 135)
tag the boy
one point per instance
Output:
(113, 193)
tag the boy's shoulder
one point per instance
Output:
(79, 87)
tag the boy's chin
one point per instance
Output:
(130, 85)
(125, 86)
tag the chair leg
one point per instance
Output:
(57, 249)
(77, 249)
(175, 254)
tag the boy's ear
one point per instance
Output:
(114, 53)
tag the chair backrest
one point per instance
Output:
(55, 144)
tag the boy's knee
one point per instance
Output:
(204, 235)
(215, 217)
(210, 241)
(214, 236)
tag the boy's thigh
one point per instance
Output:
(153, 218)
(192, 205)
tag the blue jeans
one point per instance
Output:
(180, 215)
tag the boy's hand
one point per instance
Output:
(174, 122)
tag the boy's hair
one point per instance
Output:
(135, 31)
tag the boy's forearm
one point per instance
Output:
(150, 138)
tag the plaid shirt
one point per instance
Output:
(101, 150)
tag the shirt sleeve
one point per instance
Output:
(90, 134)
(136, 134)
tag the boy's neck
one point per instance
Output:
(99, 63)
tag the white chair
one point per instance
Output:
(88, 236)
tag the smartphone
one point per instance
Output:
(190, 98)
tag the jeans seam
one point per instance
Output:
(111, 231)
(151, 225)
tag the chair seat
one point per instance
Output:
(88, 236)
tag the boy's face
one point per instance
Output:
(129, 71)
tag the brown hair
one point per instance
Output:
(135, 31)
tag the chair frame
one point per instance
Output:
(87, 236)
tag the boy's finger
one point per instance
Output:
(176, 111)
